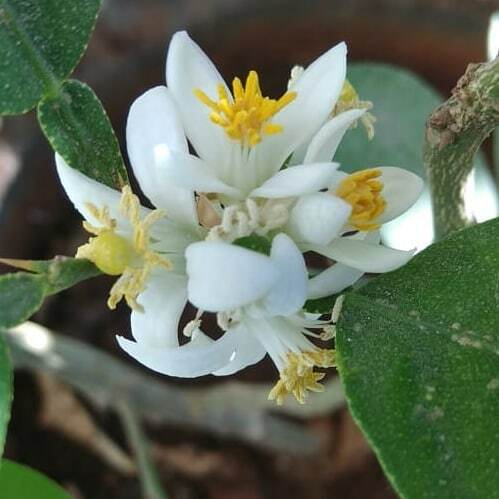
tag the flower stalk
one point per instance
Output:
(454, 133)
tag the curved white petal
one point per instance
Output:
(325, 142)
(190, 172)
(332, 280)
(224, 276)
(154, 126)
(364, 255)
(317, 91)
(196, 358)
(187, 69)
(288, 294)
(163, 300)
(82, 190)
(249, 351)
(318, 218)
(401, 189)
(297, 180)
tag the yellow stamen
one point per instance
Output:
(114, 254)
(362, 190)
(348, 95)
(299, 376)
(349, 99)
(245, 117)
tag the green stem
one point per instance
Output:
(151, 485)
(454, 132)
(495, 155)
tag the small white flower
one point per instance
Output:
(258, 301)
(361, 203)
(242, 139)
(144, 248)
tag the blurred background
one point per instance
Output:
(207, 442)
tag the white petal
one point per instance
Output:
(289, 292)
(223, 276)
(190, 172)
(318, 218)
(82, 190)
(154, 126)
(187, 69)
(318, 89)
(401, 189)
(297, 180)
(193, 359)
(325, 142)
(332, 280)
(163, 300)
(249, 351)
(364, 255)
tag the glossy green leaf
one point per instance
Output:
(21, 295)
(78, 128)
(60, 273)
(41, 41)
(418, 353)
(5, 392)
(20, 482)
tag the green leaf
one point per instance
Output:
(21, 295)
(20, 482)
(78, 128)
(60, 273)
(41, 41)
(5, 392)
(418, 353)
(261, 244)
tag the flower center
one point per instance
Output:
(245, 116)
(362, 190)
(114, 254)
(109, 252)
(299, 377)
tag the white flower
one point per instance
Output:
(144, 247)
(361, 203)
(258, 301)
(242, 139)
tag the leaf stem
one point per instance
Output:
(454, 132)
(151, 485)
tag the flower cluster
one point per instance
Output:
(233, 221)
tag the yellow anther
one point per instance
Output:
(245, 117)
(115, 254)
(299, 377)
(362, 190)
